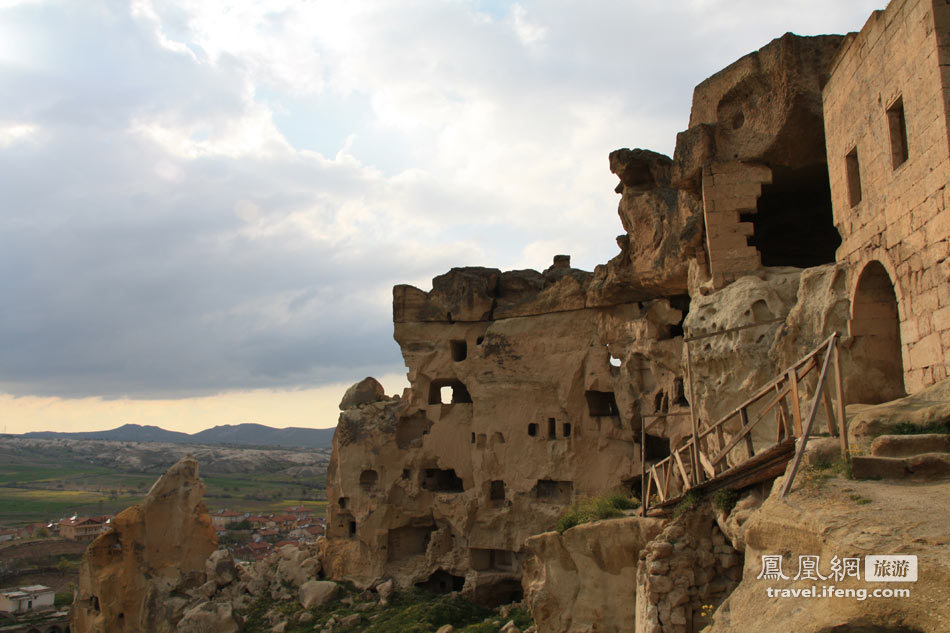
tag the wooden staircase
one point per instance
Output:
(708, 461)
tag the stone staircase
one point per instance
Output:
(905, 456)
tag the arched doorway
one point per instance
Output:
(875, 326)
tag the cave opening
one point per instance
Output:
(442, 581)
(793, 223)
(601, 403)
(448, 391)
(437, 480)
(459, 350)
(656, 447)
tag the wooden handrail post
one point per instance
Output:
(643, 467)
(696, 474)
(832, 346)
(839, 396)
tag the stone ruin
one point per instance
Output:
(806, 197)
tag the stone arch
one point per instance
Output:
(875, 327)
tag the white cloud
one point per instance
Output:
(16, 133)
(179, 237)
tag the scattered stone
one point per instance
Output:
(316, 593)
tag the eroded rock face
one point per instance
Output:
(766, 107)
(507, 421)
(664, 232)
(581, 580)
(155, 548)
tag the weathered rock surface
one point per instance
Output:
(210, 617)
(508, 421)
(757, 108)
(582, 580)
(930, 406)
(316, 593)
(826, 521)
(364, 392)
(155, 548)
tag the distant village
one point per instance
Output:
(248, 536)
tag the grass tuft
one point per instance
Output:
(596, 509)
(725, 500)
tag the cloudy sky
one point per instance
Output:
(204, 204)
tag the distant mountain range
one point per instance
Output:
(240, 434)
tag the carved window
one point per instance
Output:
(854, 177)
(897, 125)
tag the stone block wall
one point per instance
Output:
(731, 189)
(885, 109)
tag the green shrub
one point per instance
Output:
(596, 509)
(725, 500)
(689, 501)
(63, 598)
(623, 502)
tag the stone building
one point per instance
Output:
(886, 109)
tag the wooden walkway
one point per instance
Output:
(708, 461)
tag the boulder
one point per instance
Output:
(220, 567)
(364, 392)
(316, 593)
(210, 617)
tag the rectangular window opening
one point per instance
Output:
(898, 129)
(854, 177)
(552, 428)
(601, 403)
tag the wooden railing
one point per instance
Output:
(704, 461)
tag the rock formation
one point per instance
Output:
(532, 389)
(581, 580)
(128, 575)
(509, 419)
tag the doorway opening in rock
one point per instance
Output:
(656, 447)
(875, 327)
(601, 403)
(633, 486)
(793, 223)
(496, 492)
(442, 481)
(459, 350)
(442, 582)
(552, 428)
(368, 479)
(448, 391)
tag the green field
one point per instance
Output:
(32, 493)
